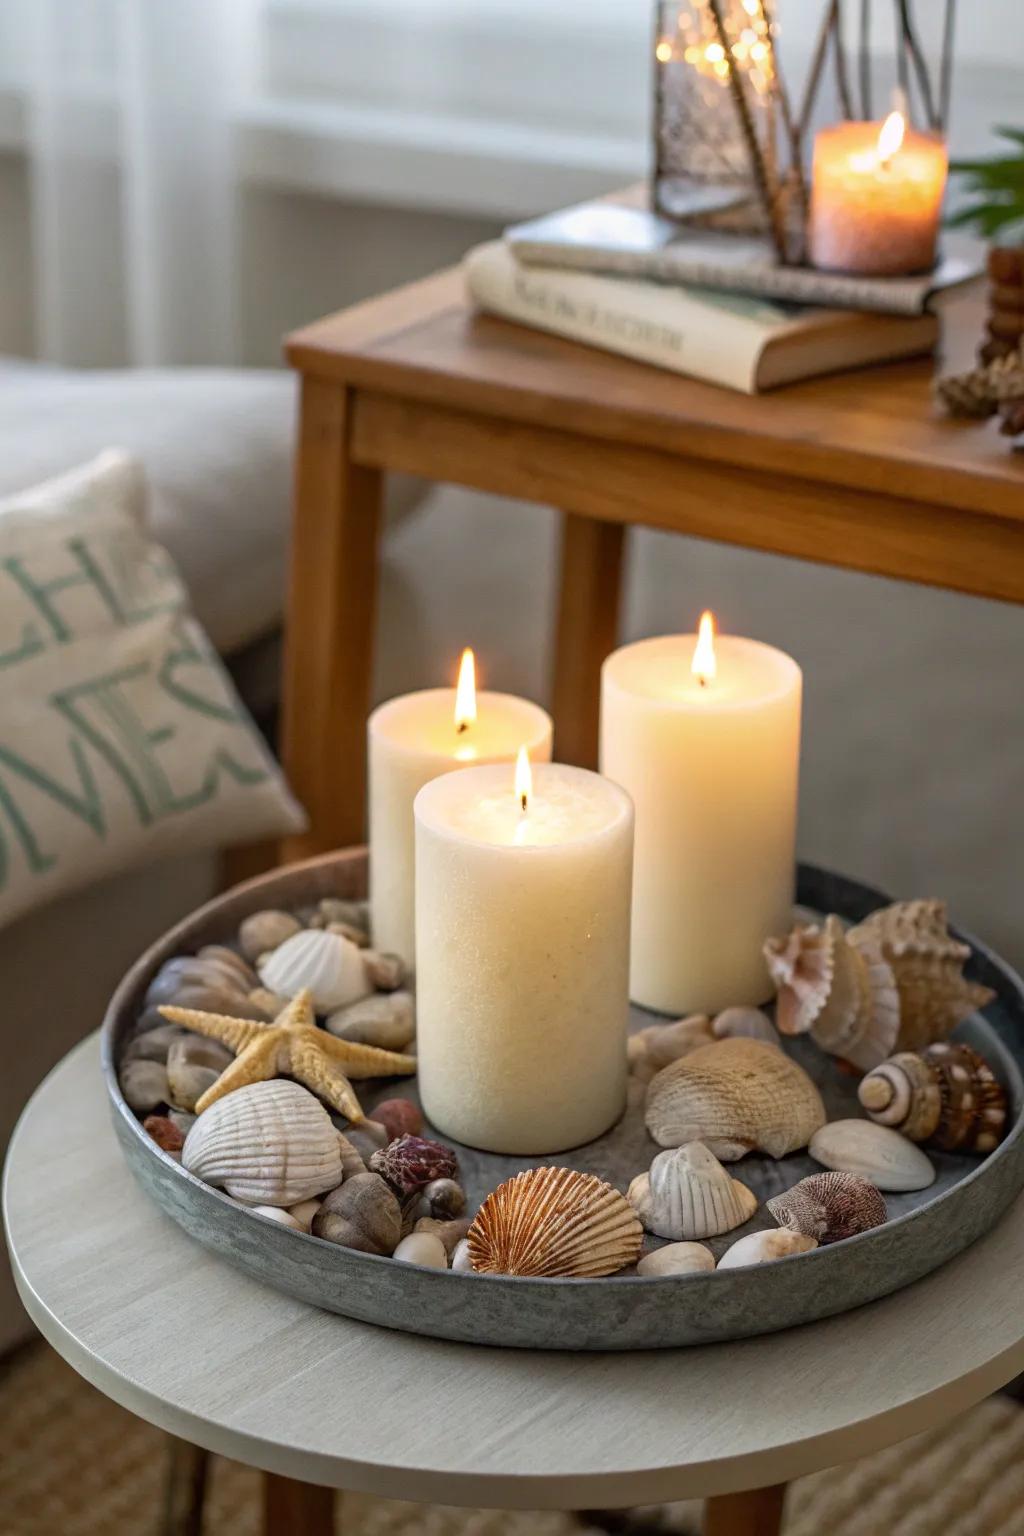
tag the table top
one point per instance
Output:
(186, 1342)
(877, 429)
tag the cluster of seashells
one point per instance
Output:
(883, 996)
(894, 982)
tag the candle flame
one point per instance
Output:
(524, 779)
(704, 664)
(465, 693)
(891, 136)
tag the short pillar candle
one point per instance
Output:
(710, 758)
(876, 198)
(522, 956)
(411, 740)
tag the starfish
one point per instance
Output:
(293, 1044)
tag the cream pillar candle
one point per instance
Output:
(876, 198)
(522, 956)
(411, 740)
(710, 757)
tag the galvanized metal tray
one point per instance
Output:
(925, 1229)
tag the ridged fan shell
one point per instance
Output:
(927, 963)
(555, 1222)
(331, 966)
(736, 1096)
(270, 1143)
(844, 996)
(687, 1194)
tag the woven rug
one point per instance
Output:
(74, 1464)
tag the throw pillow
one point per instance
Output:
(122, 738)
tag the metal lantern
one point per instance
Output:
(731, 136)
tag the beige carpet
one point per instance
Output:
(74, 1464)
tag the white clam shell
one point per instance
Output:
(677, 1259)
(330, 966)
(878, 1154)
(270, 1143)
(422, 1248)
(688, 1194)
(737, 1096)
(762, 1247)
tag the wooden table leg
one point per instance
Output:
(331, 614)
(185, 1488)
(296, 1509)
(588, 620)
(757, 1513)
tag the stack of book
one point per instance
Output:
(715, 306)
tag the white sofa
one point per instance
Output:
(913, 768)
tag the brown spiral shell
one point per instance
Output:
(946, 1095)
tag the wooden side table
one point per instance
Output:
(862, 470)
(320, 1402)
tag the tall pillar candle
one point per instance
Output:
(522, 956)
(710, 757)
(411, 740)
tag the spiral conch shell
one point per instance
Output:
(829, 1207)
(736, 1096)
(270, 1143)
(556, 1222)
(844, 996)
(688, 1194)
(946, 1095)
(927, 963)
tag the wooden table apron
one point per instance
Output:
(190, 1344)
(858, 471)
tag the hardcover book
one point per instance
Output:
(747, 344)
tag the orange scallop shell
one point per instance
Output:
(554, 1222)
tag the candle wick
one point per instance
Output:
(522, 802)
(702, 680)
(463, 725)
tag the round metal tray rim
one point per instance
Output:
(128, 991)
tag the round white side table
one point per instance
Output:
(193, 1346)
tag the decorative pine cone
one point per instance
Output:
(967, 394)
(995, 348)
(1012, 424)
(983, 390)
(1006, 377)
(412, 1162)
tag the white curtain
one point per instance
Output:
(133, 185)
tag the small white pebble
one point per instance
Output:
(422, 1248)
(460, 1258)
(677, 1259)
(274, 1213)
(304, 1212)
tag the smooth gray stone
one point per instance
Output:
(144, 1085)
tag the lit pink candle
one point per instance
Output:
(876, 198)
